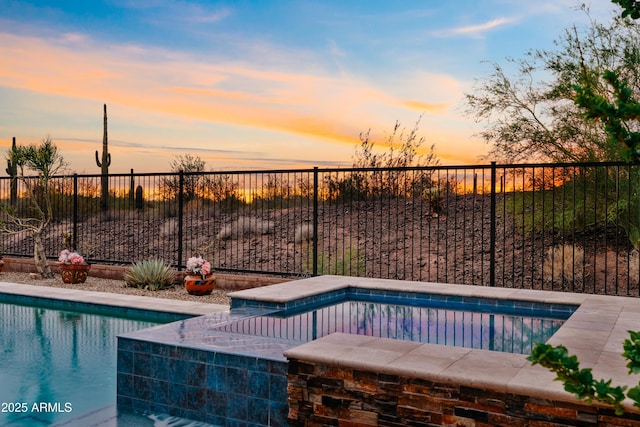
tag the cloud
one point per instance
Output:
(294, 101)
(475, 30)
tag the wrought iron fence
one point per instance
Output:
(537, 226)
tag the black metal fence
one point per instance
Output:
(537, 226)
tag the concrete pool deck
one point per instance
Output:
(115, 300)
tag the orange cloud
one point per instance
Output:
(329, 108)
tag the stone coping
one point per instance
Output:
(594, 333)
(114, 300)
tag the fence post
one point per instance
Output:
(315, 222)
(75, 211)
(180, 216)
(492, 228)
(132, 189)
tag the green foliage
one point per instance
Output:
(580, 382)
(630, 8)
(531, 114)
(351, 263)
(581, 198)
(619, 116)
(152, 274)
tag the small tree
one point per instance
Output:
(45, 161)
(191, 166)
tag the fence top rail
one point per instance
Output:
(349, 170)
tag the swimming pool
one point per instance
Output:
(236, 360)
(59, 366)
(497, 330)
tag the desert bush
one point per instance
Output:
(303, 233)
(244, 226)
(565, 264)
(152, 274)
(384, 174)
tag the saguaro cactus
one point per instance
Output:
(12, 171)
(104, 165)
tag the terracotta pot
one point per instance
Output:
(74, 273)
(196, 285)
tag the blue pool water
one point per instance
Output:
(59, 366)
(499, 331)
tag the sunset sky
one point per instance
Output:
(256, 84)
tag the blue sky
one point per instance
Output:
(256, 84)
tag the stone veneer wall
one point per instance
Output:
(214, 387)
(323, 395)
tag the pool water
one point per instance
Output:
(507, 332)
(59, 367)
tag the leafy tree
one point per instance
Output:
(534, 115)
(614, 104)
(45, 161)
(192, 167)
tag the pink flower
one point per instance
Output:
(64, 255)
(198, 265)
(76, 258)
(68, 257)
(206, 268)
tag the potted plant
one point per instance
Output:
(199, 279)
(73, 267)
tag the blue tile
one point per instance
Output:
(280, 368)
(278, 388)
(178, 395)
(194, 355)
(216, 377)
(196, 398)
(125, 402)
(159, 391)
(125, 344)
(259, 384)
(216, 403)
(141, 346)
(159, 408)
(195, 374)
(141, 405)
(237, 381)
(124, 385)
(142, 387)
(142, 364)
(278, 414)
(160, 367)
(258, 411)
(177, 371)
(237, 408)
(125, 362)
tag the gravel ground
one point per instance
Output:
(218, 296)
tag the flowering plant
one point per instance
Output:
(71, 257)
(198, 265)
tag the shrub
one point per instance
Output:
(244, 226)
(580, 381)
(565, 264)
(151, 274)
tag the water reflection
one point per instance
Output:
(490, 331)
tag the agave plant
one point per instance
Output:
(151, 274)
